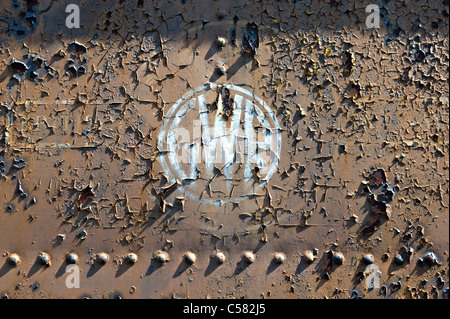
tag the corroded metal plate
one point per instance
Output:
(219, 149)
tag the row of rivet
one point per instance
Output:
(190, 258)
(161, 256)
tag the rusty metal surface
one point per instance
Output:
(100, 127)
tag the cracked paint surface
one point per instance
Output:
(363, 116)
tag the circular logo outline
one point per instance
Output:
(185, 98)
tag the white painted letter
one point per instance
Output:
(73, 19)
(373, 19)
(73, 279)
(374, 276)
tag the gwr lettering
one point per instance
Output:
(200, 146)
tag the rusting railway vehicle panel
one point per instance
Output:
(224, 149)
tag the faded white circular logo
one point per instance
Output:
(220, 144)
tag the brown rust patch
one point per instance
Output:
(84, 196)
(224, 104)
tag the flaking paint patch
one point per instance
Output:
(219, 143)
(395, 118)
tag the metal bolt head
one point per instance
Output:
(220, 41)
(368, 259)
(102, 258)
(44, 259)
(221, 70)
(162, 257)
(429, 258)
(132, 258)
(71, 258)
(14, 259)
(338, 258)
(398, 259)
(308, 256)
(190, 258)
(219, 257)
(248, 257)
(279, 258)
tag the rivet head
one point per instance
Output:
(429, 259)
(219, 257)
(398, 259)
(220, 41)
(102, 258)
(279, 258)
(368, 259)
(338, 258)
(162, 257)
(44, 259)
(308, 256)
(221, 70)
(190, 257)
(71, 258)
(132, 258)
(14, 259)
(248, 257)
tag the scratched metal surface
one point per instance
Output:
(88, 164)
